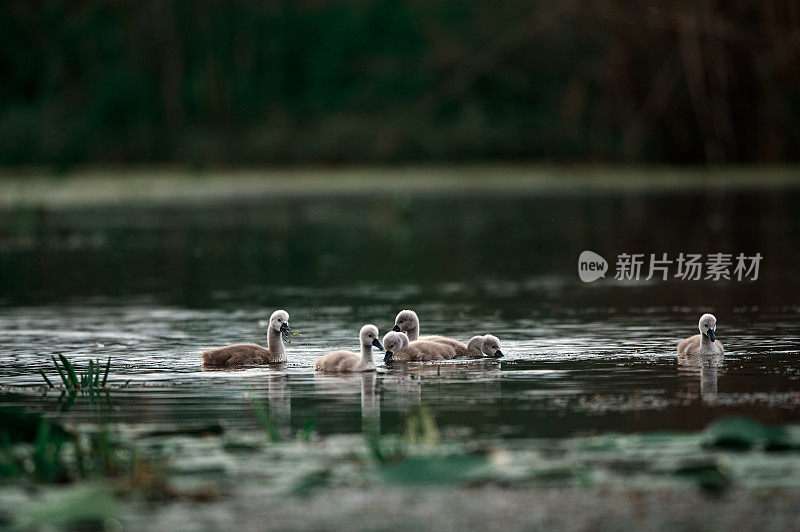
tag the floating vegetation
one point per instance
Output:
(94, 378)
(745, 433)
(421, 434)
(287, 335)
(436, 469)
(418, 457)
(709, 474)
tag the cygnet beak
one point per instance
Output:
(388, 356)
(377, 344)
(396, 328)
(498, 354)
(712, 334)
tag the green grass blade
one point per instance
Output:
(61, 373)
(50, 384)
(90, 374)
(105, 377)
(73, 377)
(96, 382)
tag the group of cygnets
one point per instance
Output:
(404, 344)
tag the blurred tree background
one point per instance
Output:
(389, 81)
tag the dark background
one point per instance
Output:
(246, 82)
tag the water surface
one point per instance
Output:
(151, 286)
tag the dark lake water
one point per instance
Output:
(152, 286)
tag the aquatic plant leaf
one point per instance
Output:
(736, 433)
(435, 469)
(89, 375)
(44, 376)
(306, 432)
(73, 377)
(709, 475)
(105, 375)
(61, 372)
(96, 381)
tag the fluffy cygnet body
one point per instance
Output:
(348, 361)
(480, 346)
(249, 353)
(407, 321)
(401, 350)
(706, 342)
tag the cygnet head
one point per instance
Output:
(369, 336)
(279, 321)
(406, 320)
(491, 346)
(393, 342)
(708, 326)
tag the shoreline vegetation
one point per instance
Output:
(364, 481)
(110, 186)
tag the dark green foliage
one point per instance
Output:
(745, 433)
(708, 475)
(46, 379)
(73, 381)
(306, 432)
(43, 450)
(17, 426)
(251, 82)
(88, 380)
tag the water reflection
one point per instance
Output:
(405, 390)
(342, 386)
(280, 403)
(159, 285)
(370, 403)
(707, 368)
(193, 256)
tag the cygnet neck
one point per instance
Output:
(275, 343)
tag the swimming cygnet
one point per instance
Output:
(349, 361)
(407, 321)
(706, 342)
(238, 354)
(478, 346)
(399, 349)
